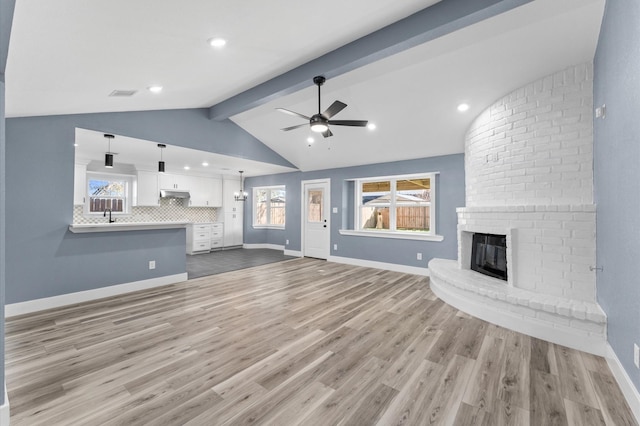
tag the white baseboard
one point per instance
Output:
(555, 333)
(36, 305)
(263, 246)
(624, 381)
(380, 265)
(5, 416)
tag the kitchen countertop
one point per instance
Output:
(78, 228)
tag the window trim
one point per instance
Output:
(109, 176)
(393, 233)
(254, 209)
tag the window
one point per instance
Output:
(108, 192)
(396, 204)
(269, 206)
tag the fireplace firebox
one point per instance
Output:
(489, 255)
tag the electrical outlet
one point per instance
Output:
(287, 242)
(419, 256)
(636, 355)
(152, 264)
(335, 247)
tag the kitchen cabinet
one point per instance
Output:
(205, 192)
(217, 236)
(229, 187)
(204, 237)
(233, 213)
(148, 193)
(198, 238)
(171, 181)
(233, 229)
(79, 184)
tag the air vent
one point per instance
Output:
(123, 93)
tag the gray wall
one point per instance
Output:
(43, 258)
(616, 177)
(6, 18)
(2, 231)
(449, 190)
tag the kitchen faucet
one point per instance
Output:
(105, 215)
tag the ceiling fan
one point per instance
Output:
(320, 122)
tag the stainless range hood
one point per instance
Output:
(174, 193)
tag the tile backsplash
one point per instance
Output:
(169, 210)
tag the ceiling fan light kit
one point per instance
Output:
(320, 122)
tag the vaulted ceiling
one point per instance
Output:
(67, 56)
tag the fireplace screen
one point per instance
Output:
(489, 255)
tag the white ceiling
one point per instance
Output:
(67, 56)
(144, 155)
(412, 97)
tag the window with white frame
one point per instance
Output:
(269, 206)
(399, 204)
(108, 192)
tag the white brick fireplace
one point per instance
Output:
(529, 176)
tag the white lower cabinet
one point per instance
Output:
(198, 238)
(216, 236)
(204, 237)
(233, 229)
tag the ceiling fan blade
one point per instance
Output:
(355, 123)
(327, 133)
(286, 129)
(286, 111)
(335, 108)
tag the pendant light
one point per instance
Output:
(108, 156)
(242, 195)
(161, 163)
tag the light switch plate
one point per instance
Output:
(335, 210)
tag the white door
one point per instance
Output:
(316, 225)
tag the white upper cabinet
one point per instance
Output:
(171, 181)
(79, 184)
(148, 193)
(230, 205)
(205, 192)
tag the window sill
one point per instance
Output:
(267, 227)
(387, 234)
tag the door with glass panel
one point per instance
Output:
(316, 226)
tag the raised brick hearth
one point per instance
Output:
(529, 176)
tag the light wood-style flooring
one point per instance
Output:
(301, 342)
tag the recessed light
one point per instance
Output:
(463, 107)
(205, 164)
(217, 42)
(155, 89)
(75, 144)
(187, 167)
(371, 126)
(310, 139)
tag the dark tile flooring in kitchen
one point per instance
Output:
(217, 262)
